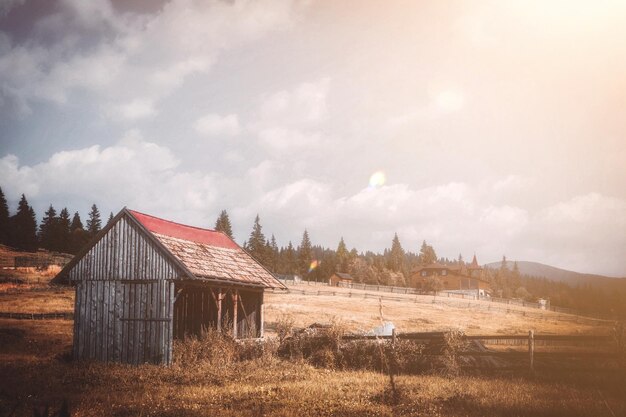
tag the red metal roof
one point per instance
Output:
(182, 231)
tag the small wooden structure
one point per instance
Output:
(144, 281)
(338, 277)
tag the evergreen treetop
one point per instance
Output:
(4, 219)
(396, 255)
(23, 227)
(256, 242)
(222, 224)
(94, 224)
(304, 253)
(76, 222)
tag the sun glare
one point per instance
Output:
(377, 179)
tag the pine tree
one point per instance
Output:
(93, 223)
(78, 235)
(48, 230)
(76, 223)
(63, 230)
(256, 242)
(396, 255)
(4, 219)
(110, 218)
(273, 254)
(342, 256)
(304, 253)
(290, 260)
(222, 224)
(23, 227)
(427, 254)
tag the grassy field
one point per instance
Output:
(36, 370)
(414, 313)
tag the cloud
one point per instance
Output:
(304, 105)
(134, 172)
(7, 5)
(215, 125)
(134, 110)
(126, 57)
(284, 140)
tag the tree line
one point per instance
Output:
(60, 232)
(57, 231)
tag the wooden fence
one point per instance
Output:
(603, 347)
(453, 302)
(36, 316)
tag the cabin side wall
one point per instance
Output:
(124, 299)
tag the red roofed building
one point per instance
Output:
(144, 281)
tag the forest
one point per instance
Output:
(60, 232)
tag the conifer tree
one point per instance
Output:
(427, 254)
(63, 230)
(94, 224)
(342, 256)
(78, 235)
(222, 224)
(110, 219)
(272, 254)
(76, 222)
(304, 253)
(290, 260)
(396, 255)
(48, 230)
(4, 219)
(256, 242)
(23, 227)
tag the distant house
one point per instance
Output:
(144, 281)
(338, 277)
(463, 279)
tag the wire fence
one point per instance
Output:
(472, 304)
(476, 296)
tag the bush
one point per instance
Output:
(454, 343)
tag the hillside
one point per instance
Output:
(561, 275)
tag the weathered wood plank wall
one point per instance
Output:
(124, 293)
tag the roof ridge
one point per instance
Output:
(180, 224)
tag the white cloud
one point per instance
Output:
(284, 140)
(139, 108)
(216, 125)
(305, 104)
(133, 172)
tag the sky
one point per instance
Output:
(483, 127)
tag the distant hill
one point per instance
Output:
(560, 275)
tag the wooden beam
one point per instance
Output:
(245, 315)
(235, 296)
(219, 309)
(262, 323)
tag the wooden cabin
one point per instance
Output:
(338, 277)
(144, 281)
(463, 278)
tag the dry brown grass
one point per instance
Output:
(216, 377)
(360, 314)
(35, 372)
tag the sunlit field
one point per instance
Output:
(217, 378)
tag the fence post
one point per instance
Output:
(393, 336)
(531, 349)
